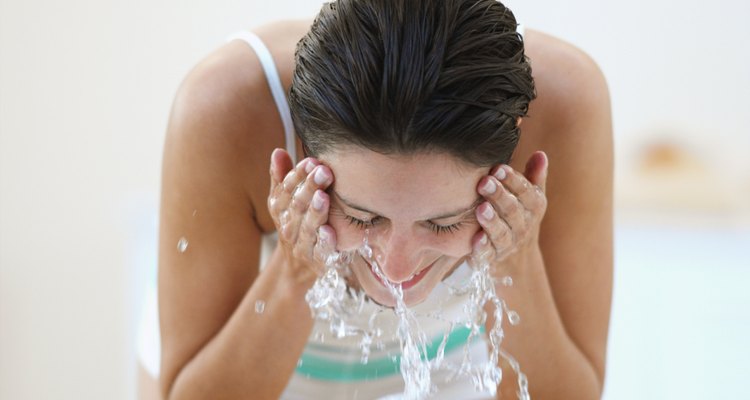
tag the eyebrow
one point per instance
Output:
(450, 214)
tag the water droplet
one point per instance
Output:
(260, 306)
(182, 245)
(507, 281)
(513, 317)
(299, 362)
(195, 212)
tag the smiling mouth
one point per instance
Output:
(407, 283)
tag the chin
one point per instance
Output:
(415, 292)
(384, 298)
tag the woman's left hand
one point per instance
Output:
(513, 212)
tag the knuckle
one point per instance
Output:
(543, 202)
(540, 204)
(297, 204)
(524, 189)
(511, 206)
(506, 237)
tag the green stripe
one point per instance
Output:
(329, 370)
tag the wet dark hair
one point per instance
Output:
(412, 76)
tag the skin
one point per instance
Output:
(422, 214)
(395, 199)
(223, 127)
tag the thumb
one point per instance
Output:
(536, 169)
(281, 164)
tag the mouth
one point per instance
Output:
(407, 283)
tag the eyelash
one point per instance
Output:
(438, 229)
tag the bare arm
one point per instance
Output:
(214, 344)
(563, 281)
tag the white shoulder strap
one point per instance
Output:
(274, 82)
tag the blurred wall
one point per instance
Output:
(85, 91)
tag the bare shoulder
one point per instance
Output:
(224, 110)
(570, 84)
(571, 117)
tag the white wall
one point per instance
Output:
(675, 68)
(85, 91)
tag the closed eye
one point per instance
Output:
(438, 229)
(362, 224)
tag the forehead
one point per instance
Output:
(403, 186)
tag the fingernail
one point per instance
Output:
(501, 174)
(489, 187)
(317, 201)
(488, 213)
(321, 176)
(309, 166)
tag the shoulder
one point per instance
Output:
(570, 84)
(570, 120)
(224, 114)
(571, 117)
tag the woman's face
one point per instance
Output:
(418, 211)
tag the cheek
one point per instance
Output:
(457, 244)
(348, 236)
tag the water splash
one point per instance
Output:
(415, 365)
(489, 376)
(332, 301)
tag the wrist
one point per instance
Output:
(291, 280)
(521, 261)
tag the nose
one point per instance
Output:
(398, 255)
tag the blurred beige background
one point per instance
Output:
(85, 92)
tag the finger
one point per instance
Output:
(282, 194)
(316, 215)
(482, 249)
(281, 164)
(530, 195)
(318, 178)
(325, 245)
(536, 169)
(499, 233)
(506, 205)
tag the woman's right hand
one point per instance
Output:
(299, 207)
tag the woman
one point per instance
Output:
(409, 113)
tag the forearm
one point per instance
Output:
(255, 353)
(555, 366)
